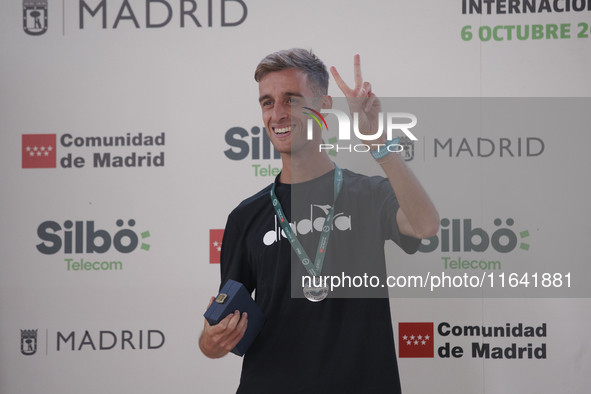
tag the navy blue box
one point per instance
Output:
(232, 297)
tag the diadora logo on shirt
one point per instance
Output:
(340, 222)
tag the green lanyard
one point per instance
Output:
(316, 268)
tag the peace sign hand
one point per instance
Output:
(362, 100)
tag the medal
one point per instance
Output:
(312, 291)
(315, 293)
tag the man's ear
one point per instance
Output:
(326, 102)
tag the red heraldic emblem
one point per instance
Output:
(415, 340)
(215, 245)
(39, 151)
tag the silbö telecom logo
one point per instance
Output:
(258, 150)
(81, 237)
(462, 238)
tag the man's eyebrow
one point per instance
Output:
(286, 94)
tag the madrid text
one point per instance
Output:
(487, 350)
(112, 159)
(107, 340)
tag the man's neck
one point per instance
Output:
(298, 169)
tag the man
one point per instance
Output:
(338, 345)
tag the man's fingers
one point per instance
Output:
(234, 321)
(243, 323)
(370, 101)
(340, 83)
(357, 71)
(224, 336)
(239, 331)
(226, 325)
(225, 322)
(210, 301)
(228, 338)
(366, 93)
(371, 96)
(359, 84)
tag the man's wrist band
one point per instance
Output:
(384, 150)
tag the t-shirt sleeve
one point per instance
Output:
(234, 259)
(390, 208)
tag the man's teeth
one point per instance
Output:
(283, 130)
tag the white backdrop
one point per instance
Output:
(136, 319)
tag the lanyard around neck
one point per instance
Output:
(316, 268)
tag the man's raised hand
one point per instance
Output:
(361, 100)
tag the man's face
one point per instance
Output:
(282, 96)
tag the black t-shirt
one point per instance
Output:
(339, 345)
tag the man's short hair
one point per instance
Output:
(300, 59)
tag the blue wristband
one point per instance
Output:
(383, 151)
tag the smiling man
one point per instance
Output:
(319, 343)
(280, 92)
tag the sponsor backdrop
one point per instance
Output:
(131, 128)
